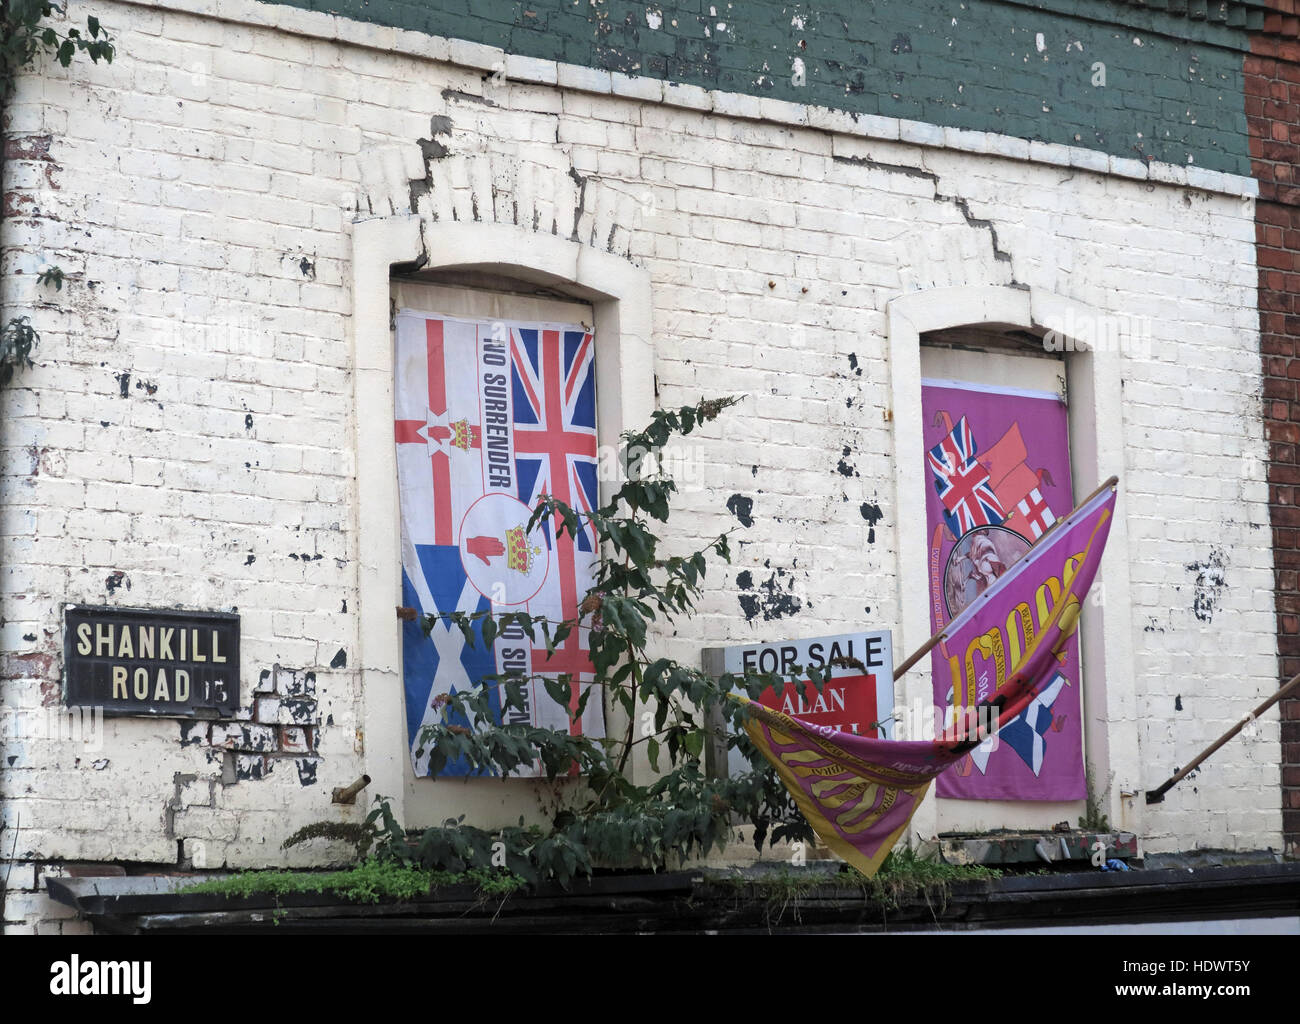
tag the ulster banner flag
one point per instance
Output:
(858, 794)
(490, 416)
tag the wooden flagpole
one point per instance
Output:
(1155, 796)
(926, 647)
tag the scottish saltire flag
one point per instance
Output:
(1025, 734)
(859, 794)
(962, 483)
(490, 416)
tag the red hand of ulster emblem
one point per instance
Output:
(485, 548)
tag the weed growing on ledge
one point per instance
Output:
(371, 881)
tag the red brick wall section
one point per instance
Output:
(1272, 73)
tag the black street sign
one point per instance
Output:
(146, 661)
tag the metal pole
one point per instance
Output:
(348, 794)
(1155, 796)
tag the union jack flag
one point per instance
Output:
(555, 452)
(555, 420)
(962, 483)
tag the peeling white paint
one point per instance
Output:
(654, 18)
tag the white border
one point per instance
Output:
(541, 325)
(989, 389)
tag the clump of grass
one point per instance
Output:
(370, 881)
(902, 876)
(903, 867)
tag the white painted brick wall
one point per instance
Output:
(192, 178)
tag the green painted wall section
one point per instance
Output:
(1172, 92)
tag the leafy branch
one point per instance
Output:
(24, 35)
(17, 339)
(51, 275)
(674, 710)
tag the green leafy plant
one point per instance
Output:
(51, 275)
(673, 710)
(25, 33)
(17, 339)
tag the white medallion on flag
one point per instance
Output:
(503, 561)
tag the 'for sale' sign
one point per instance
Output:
(858, 696)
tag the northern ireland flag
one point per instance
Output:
(490, 416)
(962, 483)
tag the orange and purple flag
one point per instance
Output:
(859, 794)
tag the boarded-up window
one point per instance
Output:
(495, 407)
(995, 429)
